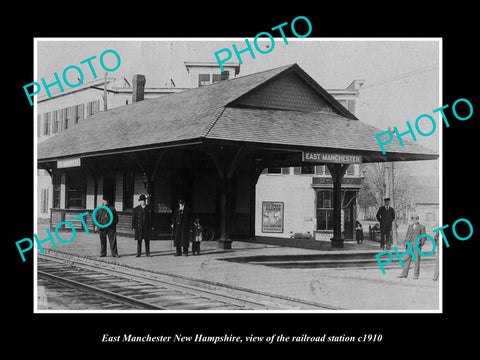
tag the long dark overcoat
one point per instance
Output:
(141, 222)
(182, 226)
(385, 217)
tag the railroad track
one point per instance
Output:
(138, 290)
(53, 295)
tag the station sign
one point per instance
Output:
(336, 158)
(68, 163)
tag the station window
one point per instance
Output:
(46, 123)
(304, 170)
(54, 122)
(203, 79)
(71, 117)
(44, 201)
(308, 170)
(220, 77)
(64, 118)
(324, 210)
(79, 113)
(274, 170)
(75, 186)
(56, 190)
(60, 120)
(277, 170)
(322, 170)
(350, 170)
(93, 107)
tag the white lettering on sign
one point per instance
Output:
(331, 158)
(73, 162)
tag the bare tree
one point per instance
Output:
(374, 189)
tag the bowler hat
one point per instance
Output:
(142, 197)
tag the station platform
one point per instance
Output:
(352, 288)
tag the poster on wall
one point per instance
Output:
(272, 217)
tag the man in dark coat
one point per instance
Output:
(141, 223)
(386, 215)
(182, 228)
(103, 217)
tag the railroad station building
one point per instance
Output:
(210, 145)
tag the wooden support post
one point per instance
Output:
(337, 171)
(93, 173)
(225, 242)
(226, 164)
(153, 174)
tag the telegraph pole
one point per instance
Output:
(391, 194)
(394, 226)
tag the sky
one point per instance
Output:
(401, 74)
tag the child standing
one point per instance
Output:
(197, 236)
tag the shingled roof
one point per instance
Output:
(282, 106)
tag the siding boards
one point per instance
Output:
(124, 223)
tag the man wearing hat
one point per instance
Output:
(103, 217)
(182, 228)
(413, 232)
(386, 215)
(141, 223)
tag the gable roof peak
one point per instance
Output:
(290, 88)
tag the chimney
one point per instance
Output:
(138, 87)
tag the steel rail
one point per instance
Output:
(97, 291)
(271, 300)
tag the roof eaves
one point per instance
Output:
(172, 144)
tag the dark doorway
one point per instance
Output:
(183, 187)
